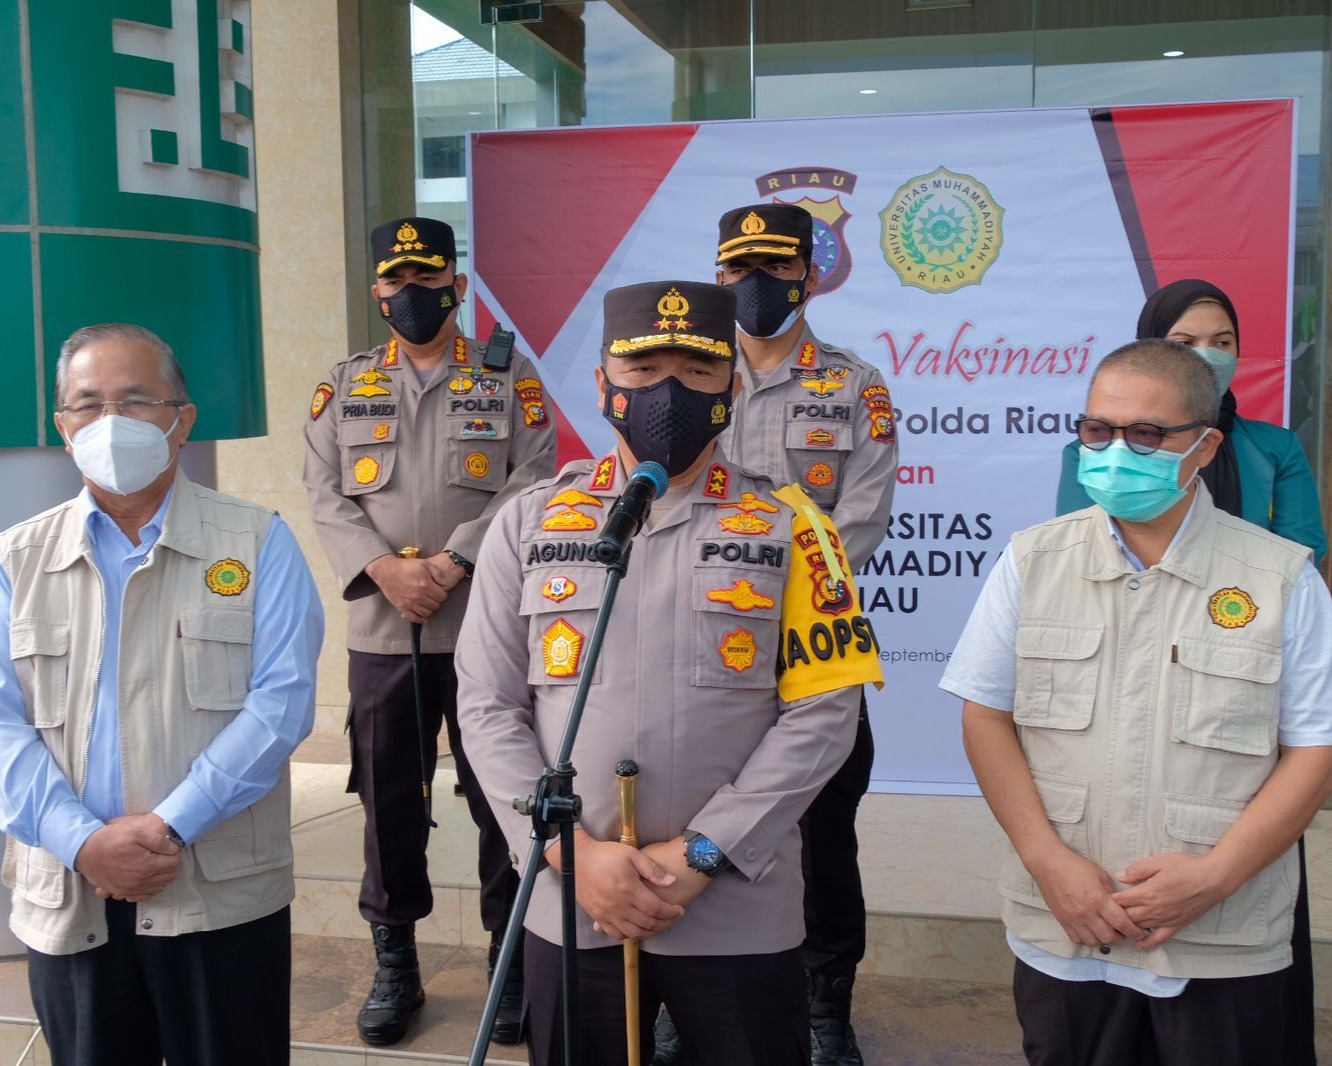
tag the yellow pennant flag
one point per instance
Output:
(826, 643)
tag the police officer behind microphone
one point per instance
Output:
(731, 673)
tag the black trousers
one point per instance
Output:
(199, 999)
(386, 772)
(1299, 1011)
(1232, 1021)
(834, 900)
(730, 1010)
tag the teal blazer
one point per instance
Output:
(1276, 482)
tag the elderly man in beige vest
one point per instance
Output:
(157, 670)
(1148, 709)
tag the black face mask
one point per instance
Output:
(766, 306)
(668, 422)
(418, 313)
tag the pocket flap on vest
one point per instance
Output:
(231, 625)
(1199, 820)
(35, 636)
(1064, 798)
(1058, 638)
(1246, 660)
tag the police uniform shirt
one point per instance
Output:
(823, 419)
(725, 590)
(392, 462)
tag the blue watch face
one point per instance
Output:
(703, 854)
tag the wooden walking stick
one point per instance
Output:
(627, 772)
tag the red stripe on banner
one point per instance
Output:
(1225, 218)
(575, 190)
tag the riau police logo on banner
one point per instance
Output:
(941, 231)
(832, 253)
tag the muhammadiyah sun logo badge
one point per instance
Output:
(941, 231)
(1232, 608)
(227, 577)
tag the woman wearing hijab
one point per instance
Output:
(1260, 474)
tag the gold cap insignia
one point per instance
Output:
(408, 239)
(227, 577)
(1232, 608)
(366, 470)
(561, 648)
(738, 649)
(742, 597)
(753, 225)
(672, 307)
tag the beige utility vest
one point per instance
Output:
(1147, 706)
(186, 641)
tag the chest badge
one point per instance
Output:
(561, 649)
(227, 577)
(558, 588)
(477, 464)
(749, 525)
(381, 431)
(369, 384)
(366, 470)
(1232, 608)
(479, 427)
(461, 385)
(749, 503)
(819, 474)
(819, 438)
(742, 596)
(569, 519)
(737, 650)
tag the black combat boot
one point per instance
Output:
(832, 1040)
(508, 1027)
(669, 1052)
(397, 991)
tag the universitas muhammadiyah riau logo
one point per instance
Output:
(942, 231)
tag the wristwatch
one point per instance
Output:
(703, 855)
(461, 560)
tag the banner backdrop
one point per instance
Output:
(984, 261)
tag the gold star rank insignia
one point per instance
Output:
(604, 474)
(719, 482)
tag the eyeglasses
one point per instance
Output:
(139, 410)
(1141, 437)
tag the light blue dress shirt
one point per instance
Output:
(38, 805)
(983, 669)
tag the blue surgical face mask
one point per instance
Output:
(1222, 364)
(1136, 488)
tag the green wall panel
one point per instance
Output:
(18, 427)
(201, 299)
(13, 154)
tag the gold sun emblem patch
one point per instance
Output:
(227, 577)
(366, 470)
(477, 464)
(561, 648)
(737, 650)
(1232, 608)
(820, 474)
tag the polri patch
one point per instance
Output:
(322, 394)
(559, 588)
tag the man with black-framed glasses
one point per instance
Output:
(158, 648)
(1147, 689)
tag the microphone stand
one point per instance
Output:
(554, 807)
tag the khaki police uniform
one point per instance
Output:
(729, 672)
(824, 420)
(393, 461)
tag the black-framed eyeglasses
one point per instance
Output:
(139, 410)
(1141, 437)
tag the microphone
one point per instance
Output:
(630, 511)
